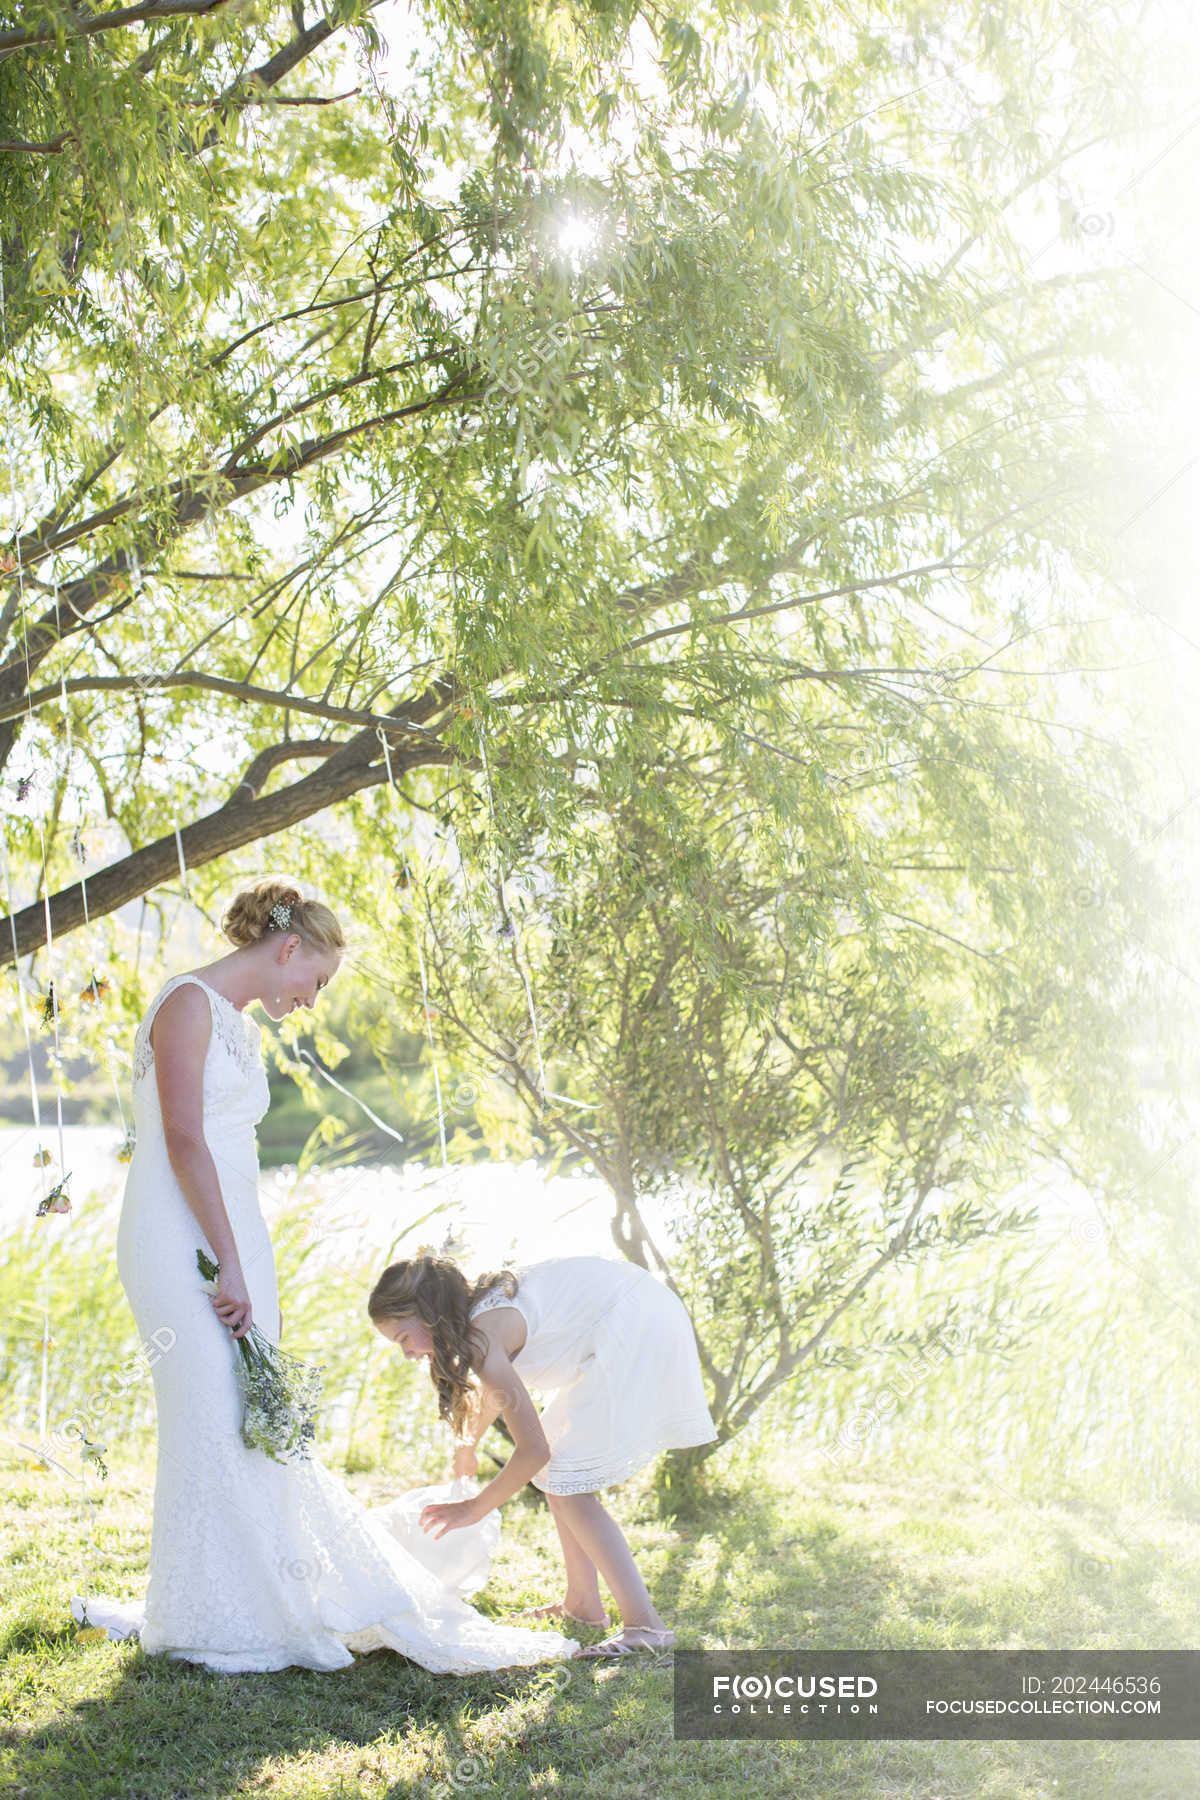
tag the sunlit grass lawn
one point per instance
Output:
(831, 1560)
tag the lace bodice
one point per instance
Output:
(496, 1297)
(234, 1077)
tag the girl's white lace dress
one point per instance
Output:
(613, 1352)
(255, 1564)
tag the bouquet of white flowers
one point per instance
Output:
(281, 1395)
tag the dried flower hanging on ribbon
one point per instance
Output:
(56, 1200)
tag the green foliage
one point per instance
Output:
(1076, 1388)
(799, 1089)
(700, 505)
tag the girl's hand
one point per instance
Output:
(232, 1301)
(465, 1461)
(451, 1515)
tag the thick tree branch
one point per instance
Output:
(227, 829)
(252, 782)
(239, 821)
(45, 34)
(302, 45)
(19, 147)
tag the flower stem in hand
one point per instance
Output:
(281, 1394)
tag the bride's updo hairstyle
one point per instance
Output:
(437, 1291)
(248, 916)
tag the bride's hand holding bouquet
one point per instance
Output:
(231, 1302)
(281, 1394)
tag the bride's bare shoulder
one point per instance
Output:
(183, 1020)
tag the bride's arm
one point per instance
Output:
(180, 1035)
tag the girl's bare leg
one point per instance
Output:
(602, 1543)
(583, 1587)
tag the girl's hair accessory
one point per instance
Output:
(281, 914)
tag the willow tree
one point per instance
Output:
(807, 1061)
(485, 424)
(647, 447)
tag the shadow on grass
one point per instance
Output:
(160, 1730)
(164, 1729)
(840, 1589)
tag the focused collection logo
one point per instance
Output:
(736, 1691)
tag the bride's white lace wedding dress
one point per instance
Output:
(254, 1564)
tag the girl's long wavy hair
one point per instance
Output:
(437, 1291)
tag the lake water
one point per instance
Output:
(496, 1210)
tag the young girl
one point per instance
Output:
(615, 1351)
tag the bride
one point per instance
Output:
(254, 1564)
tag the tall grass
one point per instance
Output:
(1096, 1398)
(378, 1408)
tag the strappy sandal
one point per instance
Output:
(558, 1611)
(615, 1647)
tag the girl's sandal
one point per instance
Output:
(621, 1644)
(558, 1611)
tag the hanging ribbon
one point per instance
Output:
(395, 801)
